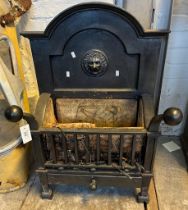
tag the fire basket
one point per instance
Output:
(96, 122)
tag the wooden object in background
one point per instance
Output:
(17, 8)
(14, 166)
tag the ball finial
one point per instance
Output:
(173, 116)
(14, 113)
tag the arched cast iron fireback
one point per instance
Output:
(100, 51)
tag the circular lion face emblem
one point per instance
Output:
(95, 63)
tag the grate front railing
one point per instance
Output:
(93, 148)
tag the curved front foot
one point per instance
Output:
(47, 193)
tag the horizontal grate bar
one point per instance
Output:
(100, 131)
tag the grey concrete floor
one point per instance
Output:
(171, 177)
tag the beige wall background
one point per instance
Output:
(175, 81)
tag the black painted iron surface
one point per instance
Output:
(97, 51)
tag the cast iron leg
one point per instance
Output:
(47, 192)
(148, 164)
(143, 196)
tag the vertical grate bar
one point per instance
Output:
(45, 145)
(139, 155)
(51, 140)
(109, 149)
(98, 148)
(76, 148)
(121, 149)
(87, 148)
(39, 139)
(133, 149)
(64, 143)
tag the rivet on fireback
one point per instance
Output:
(117, 73)
(73, 54)
(67, 73)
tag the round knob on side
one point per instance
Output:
(14, 113)
(93, 184)
(172, 116)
